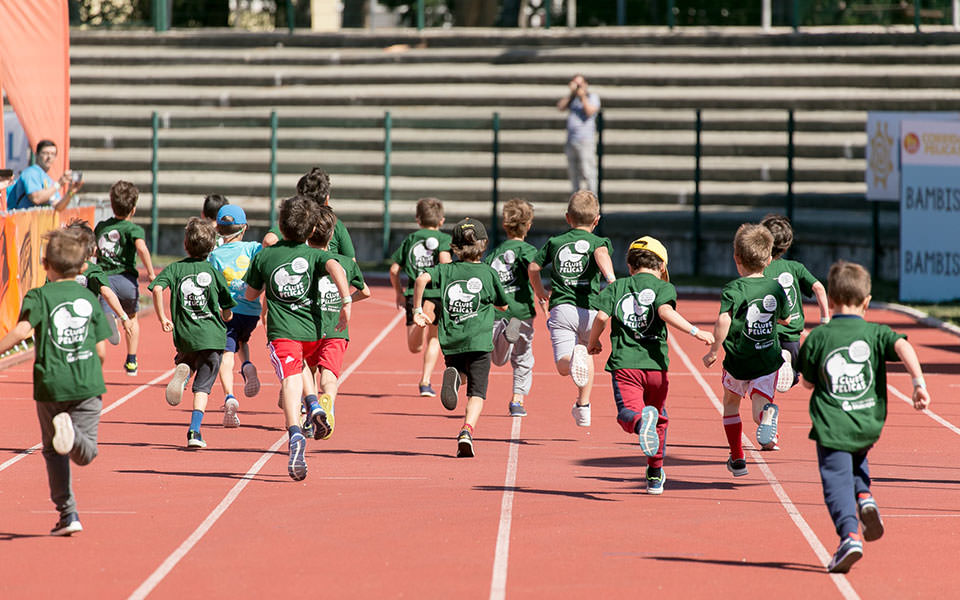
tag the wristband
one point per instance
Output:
(124, 317)
(611, 279)
(918, 382)
(694, 330)
(418, 310)
(824, 320)
(348, 300)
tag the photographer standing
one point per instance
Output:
(35, 187)
(583, 106)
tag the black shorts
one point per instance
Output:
(205, 364)
(474, 367)
(408, 307)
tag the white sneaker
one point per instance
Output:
(785, 374)
(63, 433)
(579, 366)
(230, 408)
(581, 414)
(174, 392)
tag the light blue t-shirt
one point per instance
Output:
(233, 259)
(32, 179)
(581, 127)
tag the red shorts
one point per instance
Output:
(330, 355)
(288, 356)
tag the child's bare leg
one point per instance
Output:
(133, 340)
(243, 350)
(474, 407)
(563, 365)
(309, 387)
(291, 389)
(430, 354)
(226, 373)
(757, 402)
(415, 338)
(329, 383)
(200, 401)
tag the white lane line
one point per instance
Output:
(25, 453)
(171, 561)
(925, 411)
(498, 586)
(846, 590)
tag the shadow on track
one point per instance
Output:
(786, 566)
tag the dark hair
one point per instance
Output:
(848, 284)
(66, 252)
(472, 249)
(199, 238)
(83, 230)
(212, 204)
(44, 144)
(782, 232)
(298, 218)
(429, 212)
(123, 198)
(517, 215)
(638, 258)
(326, 222)
(315, 185)
(230, 230)
(751, 245)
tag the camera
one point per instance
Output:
(76, 176)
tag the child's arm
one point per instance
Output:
(114, 303)
(720, 331)
(820, 293)
(533, 273)
(251, 293)
(674, 319)
(144, 255)
(21, 331)
(418, 287)
(602, 256)
(599, 324)
(339, 278)
(102, 351)
(395, 282)
(361, 294)
(270, 239)
(445, 257)
(226, 314)
(921, 397)
(160, 310)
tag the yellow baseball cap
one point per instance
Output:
(653, 245)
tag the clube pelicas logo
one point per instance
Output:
(503, 265)
(635, 311)
(848, 372)
(463, 299)
(572, 258)
(193, 294)
(108, 243)
(421, 253)
(290, 281)
(760, 321)
(329, 294)
(786, 281)
(71, 321)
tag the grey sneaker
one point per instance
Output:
(230, 409)
(63, 433)
(450, 388)
(738, 467)
(517, 409)
(870, 518)
(174, 391)
(767, 430)
(849, 552)
(655, 481)
(647, 432)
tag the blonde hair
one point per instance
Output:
(848, 284)
(752, 246)
(517, 215)
(429, 212)
(583, 208)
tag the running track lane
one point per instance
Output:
(391, 513)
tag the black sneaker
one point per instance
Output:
(67, 525)
(195, 441)
(869, 516)
(465, 444)
(450, 388)
(655, 481)
(738, 467)
(849, 552)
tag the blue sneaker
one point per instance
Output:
(517, 409)
(67, 525)
(655, 481)
(767, 430)
(426, 390)
(647, 431)
(849, 552)
(297, 467)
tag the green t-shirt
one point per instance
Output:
(845, 360)
(116, 239)
(510, 260)
(638, 336)
(752, 347)
(197, 293)
(93, 278)
(68, 322)
(796, 281)
(468, 293)
(287, 272)
(329, 302)
(419, 251)
(340, 242)
(575, 277)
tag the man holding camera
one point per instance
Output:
(582, 106)
(35, 187)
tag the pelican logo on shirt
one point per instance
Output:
(635, 311)
(760, 323)
(422, 253)
(572, 260)
(329, 295)
(848, 374)
(290, 282)
(193, 295)
(462, 299)
(504, 266)
(71, 324)
(108, 243)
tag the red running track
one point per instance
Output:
(386, 510)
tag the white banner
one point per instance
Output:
(929, 211)
(883, 152)
(16, 146)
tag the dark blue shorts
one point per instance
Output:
(239, 329)
(127, 289)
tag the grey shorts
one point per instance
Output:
(127, 289)
(569, 325)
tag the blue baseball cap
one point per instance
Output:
(231, 214)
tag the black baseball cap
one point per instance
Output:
(461, 228)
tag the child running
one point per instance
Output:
(750, 308)
(200, 302)
(844, 363)
(120, 241)
(232, 259)
(640, 307)
(212, 203)
(579, 260)
(422, 249)
(69, 328)
(288, 272)
(469, 290)
(513, 333)
(795, 280)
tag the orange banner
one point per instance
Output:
(9, 288)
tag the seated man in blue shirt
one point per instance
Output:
(35, 187)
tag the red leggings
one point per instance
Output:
(634, 389)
